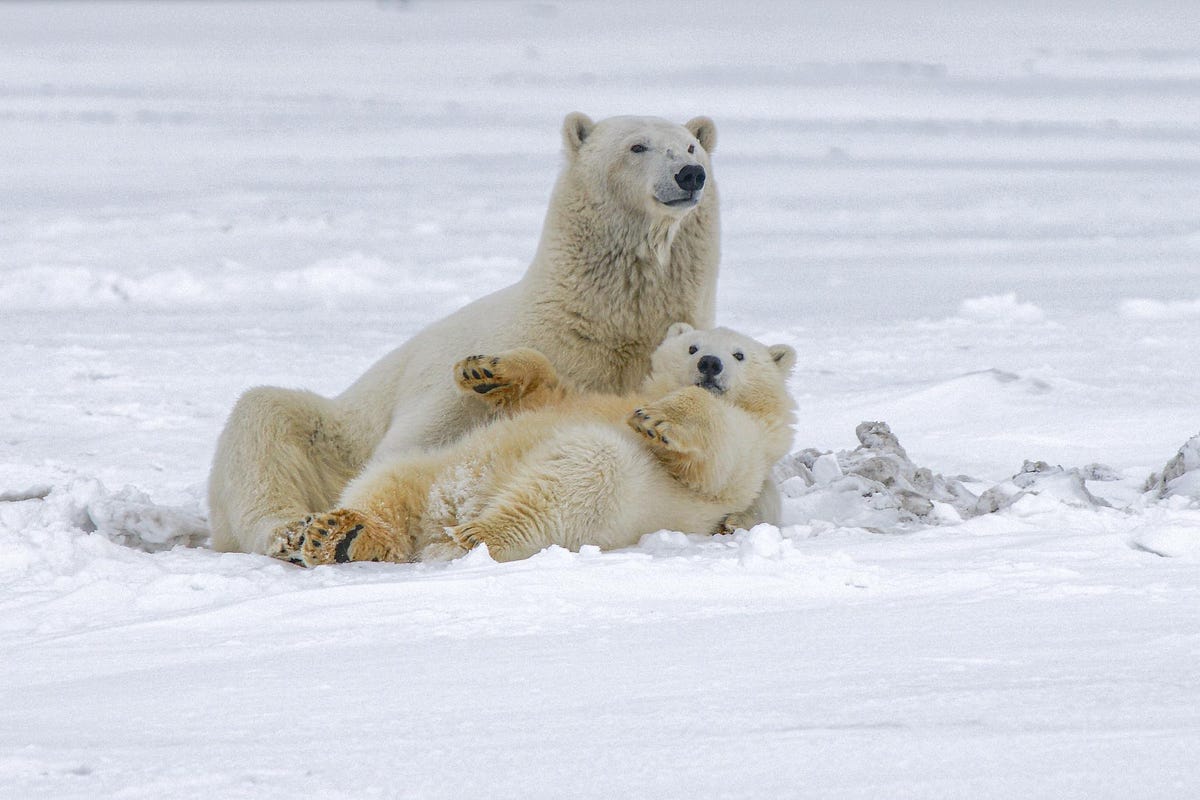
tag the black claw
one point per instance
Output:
(487, 373)
(475, 374)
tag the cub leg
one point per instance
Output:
(511, 381)
(566, 493)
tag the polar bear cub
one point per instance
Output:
(562, 466)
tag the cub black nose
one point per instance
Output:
(690, 178)
(710, 366)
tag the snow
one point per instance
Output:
(976, 224)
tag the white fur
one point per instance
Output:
(577, 473)
(615, 266)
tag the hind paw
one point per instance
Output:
(506, 379)
(335, 537)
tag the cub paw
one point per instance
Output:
(660, 431)
(443, 549)
(336, 537)
(740, 521)
(483, 375)
(472, 534)
(512, 378)
(287, 541)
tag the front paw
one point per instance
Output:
(472, 534)
(661, 430)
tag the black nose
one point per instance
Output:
(690, 178)
(710, 365)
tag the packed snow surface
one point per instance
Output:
(976, 223)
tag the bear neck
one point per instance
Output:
(611, 279)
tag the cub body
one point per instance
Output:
(568, 467)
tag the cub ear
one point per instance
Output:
(678, 329)
(705, 130)
(576, 127)
(784, 356)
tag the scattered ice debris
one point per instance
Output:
(875, 486)
(1180, 477)
(1049, 482)
(128, 516)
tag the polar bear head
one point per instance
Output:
(643, 164)
(724, 362)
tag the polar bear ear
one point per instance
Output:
(576, 127)
(679, 329)
(705, 130)
(784, 356)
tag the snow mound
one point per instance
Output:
(1000, 308)
(1180, 477)
(1040, 486)
(127, 517)
(979, 386)
(1168, 533)
(1142, 308)
(876, 486)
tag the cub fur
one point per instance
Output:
(570, 467)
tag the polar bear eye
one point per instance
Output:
(691, 148)
(638, 148)
(739, 355)
(692, 350)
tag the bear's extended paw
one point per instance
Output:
(483, 375)
(335, 537)
(507, 378)
(662, 430)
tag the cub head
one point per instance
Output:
(644, 164)
(724, 362)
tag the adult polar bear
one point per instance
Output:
(629, 246)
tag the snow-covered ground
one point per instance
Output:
(978, 223)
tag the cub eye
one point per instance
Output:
(740, 356)
(692, 350)
(638, 148)
(691, 148)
